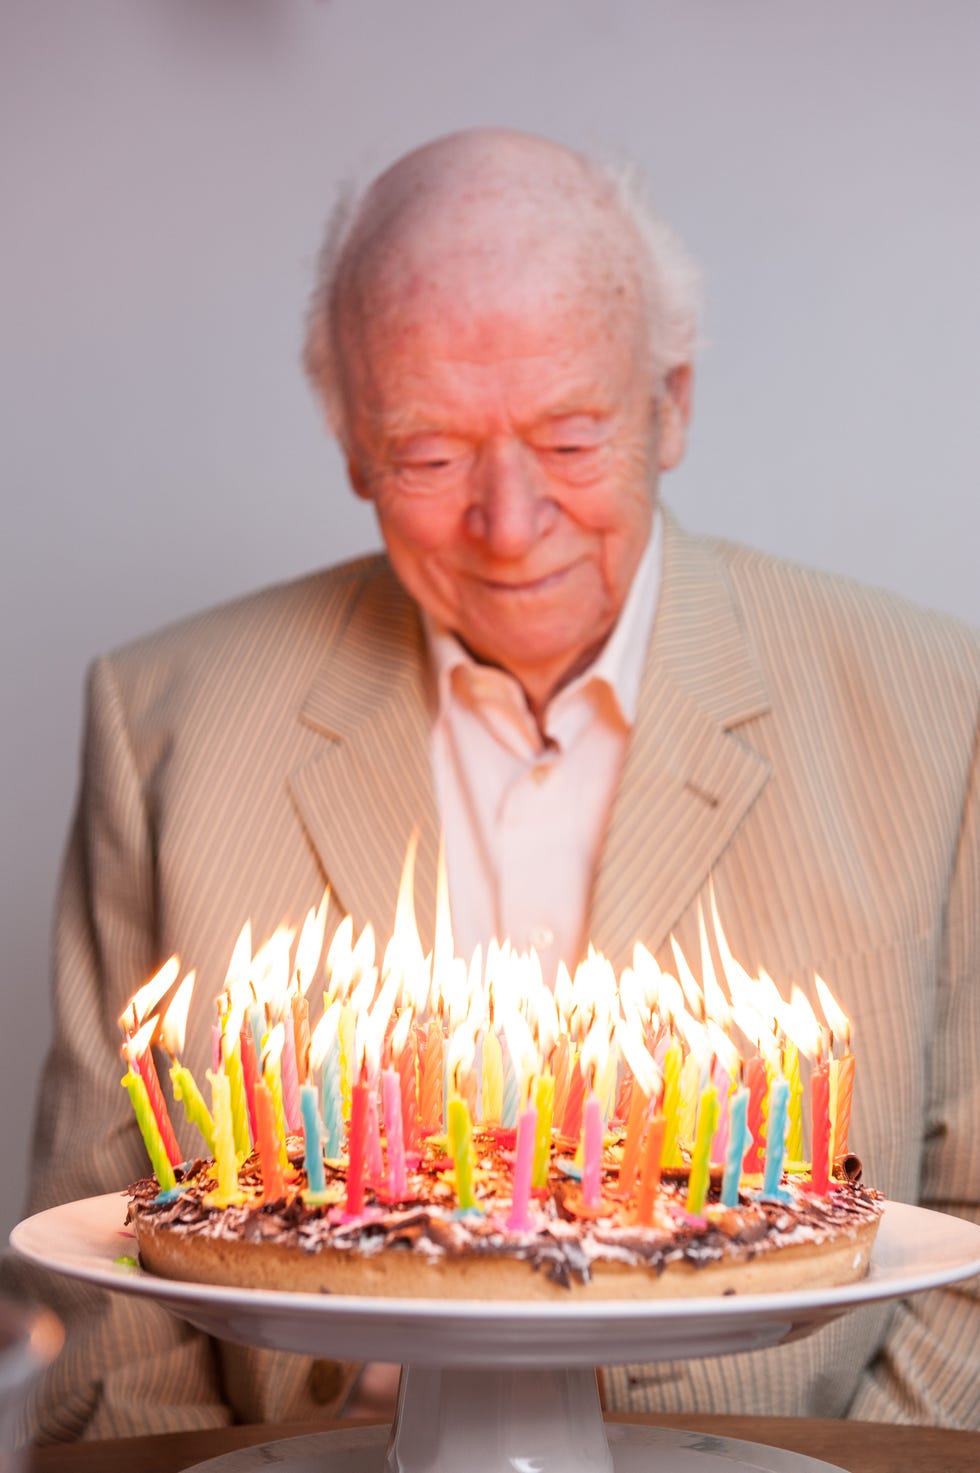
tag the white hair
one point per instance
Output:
(671, 282)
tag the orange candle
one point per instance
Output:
(273, 1185)
(653, 1148)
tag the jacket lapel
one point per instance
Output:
(370, 787)
(689, 777)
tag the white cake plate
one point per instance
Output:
(507, 1386)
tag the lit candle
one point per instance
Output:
(635, 1128)
(405, 1053)
(225, 1154)
(461, 1150)
(332, 1102)
(135, 1086)
(312, 1140)
(301, 1035)
(544, 1102)
(519, 1220)
(757, 1085)
(272, 1078)
(653, 1147)
(707, 1121)
(511, 1090)
(197, 1113)
(794, 1104)
(231, 1056)
(290, 1078)
(672, 1063)
(394, 1140)
(356, 1147)
(250, 1074)
(776, 1129)
(432, 1078)
(571, 1125)
(138, 1054)
(593, 1130)
(739, 1142)
(820, 1129)
(843, 1076)
(493, 1078)
(273, 1184)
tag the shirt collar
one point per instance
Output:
(618, 665)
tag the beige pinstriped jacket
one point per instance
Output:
(807, 743)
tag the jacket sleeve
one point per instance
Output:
(928, 1368)
(128, 1366)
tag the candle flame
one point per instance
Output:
(137, 1044)
(323, 1035)
(173, 1028)
(145, 999)
(311, 943)
(838, 1021)
(272, 1046)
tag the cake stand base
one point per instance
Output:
(515, 1421)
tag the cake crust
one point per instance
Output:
(422, 1247)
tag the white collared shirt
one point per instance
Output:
(523, 816)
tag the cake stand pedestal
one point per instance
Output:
(504, 1386)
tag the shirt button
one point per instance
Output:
(540, 771)
(541, 937)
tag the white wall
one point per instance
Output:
(167, 168)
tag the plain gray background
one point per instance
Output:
(167, 169)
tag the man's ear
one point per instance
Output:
(675, 415)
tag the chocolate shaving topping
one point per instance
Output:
(560, 1245)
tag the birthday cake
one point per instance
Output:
(423, 1246)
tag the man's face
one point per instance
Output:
(508, 429)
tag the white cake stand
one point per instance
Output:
(504, 1387)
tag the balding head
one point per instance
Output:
(486, 210)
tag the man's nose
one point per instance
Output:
(510, 508)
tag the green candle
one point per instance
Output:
(197, 1112)
(461, 1150)
(150, 1131)
(709, 1110)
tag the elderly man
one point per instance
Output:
(600, 712)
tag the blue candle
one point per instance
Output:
(332, 1102)
(739, 1140)
(776, 1129)
(312, 1139)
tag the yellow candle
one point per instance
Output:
(673, 1059)
(231, 1053)
(493, 1078)
(709, 1109)
(185, 1089)
(544, 1103)
(794, 1132)
(461, 1150)
(345, 1033)
(225, 1153)
(687, 1103)
(273, 1080)
(150, 1131)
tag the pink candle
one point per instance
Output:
(519, 1220)
(360, 1096)
(820, 1129)
(593, 1130)
(373, 1159)
(407, 1066)
(290, 1080)
(392, 1100)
